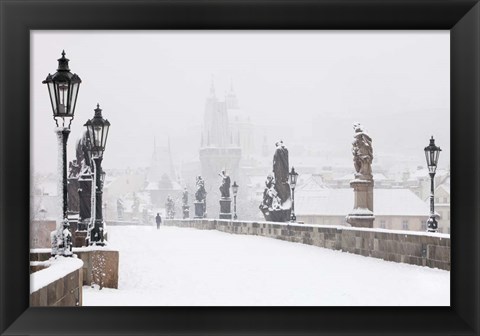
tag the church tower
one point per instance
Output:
(217, 151)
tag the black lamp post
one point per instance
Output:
(235, 191)
(97, 129)
(293, 182)
(102, 177)
(63, 90)
(432, 153)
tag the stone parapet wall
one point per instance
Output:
(417, 248)
(100, 264)
(129, 223)
(58, 285)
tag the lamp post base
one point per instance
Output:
(97, 234)
(432, 224)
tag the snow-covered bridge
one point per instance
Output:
(184, 266)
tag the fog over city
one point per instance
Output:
(194, 179)
(306, 88)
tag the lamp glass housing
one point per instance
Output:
(235, 188)
(97, 128)
(293, 177)
(432, 153)
(63, 89)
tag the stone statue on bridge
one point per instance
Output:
(73, 169)
(362, 214)
(362, 151)
(200, 198)
(225, 186)
(185, 196)
(185, 206)
(170, 207)
(276, 204)
(225, 200)
(81, 151)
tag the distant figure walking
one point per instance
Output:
(158, 220)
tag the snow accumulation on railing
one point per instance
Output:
(338, 227)
(58, 268)
(108, 247)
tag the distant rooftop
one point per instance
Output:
(339, 202)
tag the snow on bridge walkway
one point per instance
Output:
(183, 267)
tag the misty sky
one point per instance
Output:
(307, 88)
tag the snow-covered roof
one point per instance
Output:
(423, 173)
(349, 177)
(445, 187)
(339, 202)
(312, 182)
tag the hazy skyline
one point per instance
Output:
(316, 83)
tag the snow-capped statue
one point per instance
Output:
(201, 193)
(62, 240)
(170, 207)
(269, 194)
(185, 206)
(73, 169)
(200, 199)
(280, 163)
(276, 204)
(83, 159)
(225, 187)
(280, 173)
(185, 196)
(362, 151)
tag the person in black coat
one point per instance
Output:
(158, 219)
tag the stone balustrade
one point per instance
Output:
(417, 248)
(57, 284)
(100, 264)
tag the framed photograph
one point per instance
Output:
(287, 74)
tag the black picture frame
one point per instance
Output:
(18, 17)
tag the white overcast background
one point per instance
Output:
(307, 87)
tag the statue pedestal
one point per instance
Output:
(84, 197)
(199, 209)
(280, 216)
(73, 195)
(186, 211)
(362, 213)
(225, 208)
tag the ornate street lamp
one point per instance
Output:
(63, 90)
(97, 129)
(432, 153)
(235, 191)
(293, 182)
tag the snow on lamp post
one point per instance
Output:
(293, 182)
(63, 91)
(97, 129)
(235, 191)
(432, 153)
